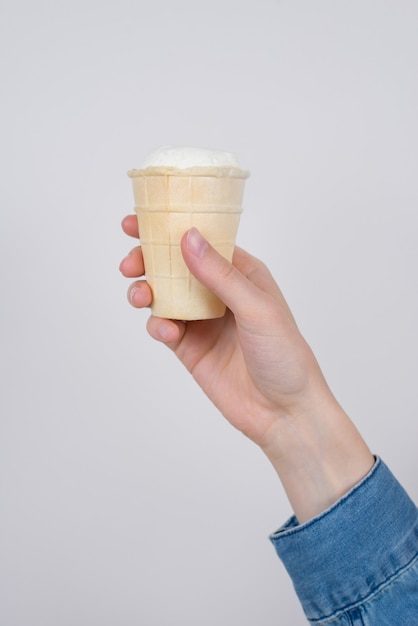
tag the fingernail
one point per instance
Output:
(132, 293)
(196, 243)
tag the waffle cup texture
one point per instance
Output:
(169, 201)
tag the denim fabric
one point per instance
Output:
(357, 562)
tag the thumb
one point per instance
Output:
(218, 274)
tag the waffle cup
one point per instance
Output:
(168, 202)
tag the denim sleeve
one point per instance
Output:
(357, 562)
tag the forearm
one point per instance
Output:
(318, 454)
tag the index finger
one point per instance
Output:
(130, 226)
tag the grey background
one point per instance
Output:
(125, 498)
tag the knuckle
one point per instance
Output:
(226, 270)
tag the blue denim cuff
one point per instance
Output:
(348, 552)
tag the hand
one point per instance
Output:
(252, 363)
(257, 369)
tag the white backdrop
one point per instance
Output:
(125, 498)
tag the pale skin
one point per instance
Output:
(258, 370)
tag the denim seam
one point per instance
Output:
(331, 618)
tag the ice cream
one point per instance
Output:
(175, 189)
(184, 157)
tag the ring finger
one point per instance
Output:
(133, 264)
(139, 294)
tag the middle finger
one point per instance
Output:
(133, 264)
